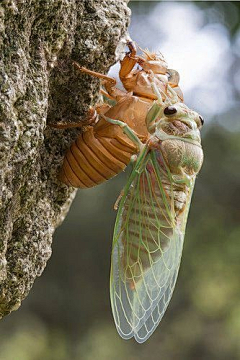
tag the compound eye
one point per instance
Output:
(170, 110)
(201, 119)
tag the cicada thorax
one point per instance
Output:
(182, 157)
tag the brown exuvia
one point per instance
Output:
(103, 150)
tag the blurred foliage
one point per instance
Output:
(221, 10)
(67, 315)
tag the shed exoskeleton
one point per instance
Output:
(103, 150)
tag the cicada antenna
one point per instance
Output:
(160, 55)
(152, 55)
(139, 47)
(146, 52)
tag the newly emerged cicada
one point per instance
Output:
(151, 220)
(153, 127)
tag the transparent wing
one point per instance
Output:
(147, 247)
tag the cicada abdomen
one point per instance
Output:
(97, 155)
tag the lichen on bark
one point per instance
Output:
(38, 41)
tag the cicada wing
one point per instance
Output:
(147, 248)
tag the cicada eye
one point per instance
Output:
(170, 110)
(201, 119)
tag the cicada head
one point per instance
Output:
(179, 132)
(180, 121)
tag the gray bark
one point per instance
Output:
(38, 41)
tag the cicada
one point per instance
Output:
(152, 215)
(151, 126)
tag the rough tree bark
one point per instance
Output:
(38, 41)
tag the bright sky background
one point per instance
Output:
(197, 44)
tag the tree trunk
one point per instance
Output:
(38, 41)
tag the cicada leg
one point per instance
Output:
(132, 48)
(113, 92)
(129, 61)
(118, 200)
(94, 73)
(105, 93)
(108, 82)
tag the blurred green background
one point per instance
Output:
(67, 314)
